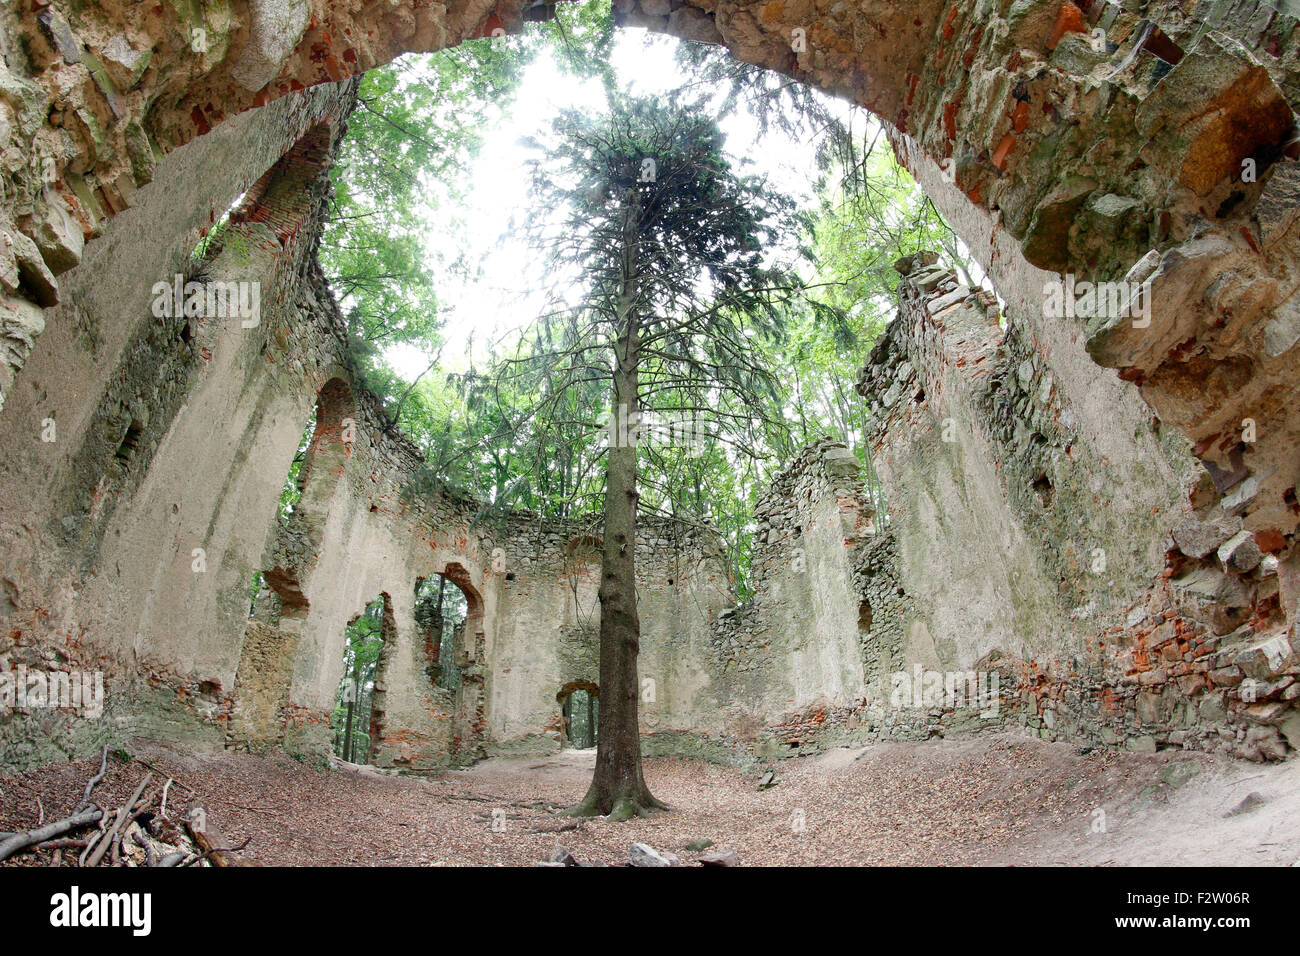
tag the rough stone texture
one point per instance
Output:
(1096, 135)
(1021, 549)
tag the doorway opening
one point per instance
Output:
(580, 708)
(441, 610)
(354, 700)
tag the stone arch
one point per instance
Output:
(590, 687)
(1043, 155)
(469, 727)
(299, 539)
(263, 679)
(459, 575)
(591, 692)
(424, 722)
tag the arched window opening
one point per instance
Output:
(318, 463)
(441, 610)
(354, 701)
(291, 493)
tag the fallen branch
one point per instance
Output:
(111, 836)
(103, 824)
(144, 844)
(62, 843)
(103, 768)
(209, 839)
(213, 853)
(21, 841)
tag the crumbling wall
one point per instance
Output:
(795, 642)
(1106, 141)
(127, 491)
(1114, 140)
(548, 627)
(1102, 626)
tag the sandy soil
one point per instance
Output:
(998, 800)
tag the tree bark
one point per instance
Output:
(352, 704)
(617, 787)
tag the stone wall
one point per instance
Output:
(1113, 140)
(1024, 549)
(130, 546)
(1043, 522)
(130, 515)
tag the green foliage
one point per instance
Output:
(762, 359)
(415, 129)
(417, 125)
(648, 211)
(365, 640)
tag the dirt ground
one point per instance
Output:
(999, 800)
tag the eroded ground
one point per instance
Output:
(997, 800)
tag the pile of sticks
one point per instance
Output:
(138, 833)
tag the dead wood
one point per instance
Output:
(20, 841)
(110, 836)
(90, 785)
(231, 861)
(210, 840)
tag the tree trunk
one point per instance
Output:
(435, 650)
(617, 788)
(352, 705)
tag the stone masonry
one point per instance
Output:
(1116, 546)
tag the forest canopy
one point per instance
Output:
(499, 419)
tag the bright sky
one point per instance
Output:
(492, 304)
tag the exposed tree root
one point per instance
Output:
(619, 808)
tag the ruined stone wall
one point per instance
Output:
(795, 642)
(126, 494)
(132, 532)
(1161, 149)
(1023, 549)
(1107, 139)
(549, 624)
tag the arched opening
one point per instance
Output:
(354, 718)
(580, 709)
(309, 486)
(449, 632)
(441, 610)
